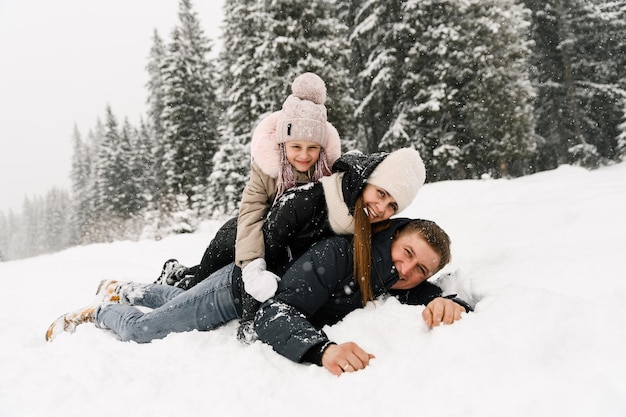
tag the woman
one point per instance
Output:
(363, 190)
(311, 294)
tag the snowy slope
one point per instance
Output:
(542, 257)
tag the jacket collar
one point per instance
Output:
(381, 256)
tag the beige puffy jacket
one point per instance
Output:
(260, 192)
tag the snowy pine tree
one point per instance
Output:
(189, 116)
(599, 66)
(239, 92)
(57, 229)
(379, 45)
(8, 232)
(266, 46)
(487, 91)
(137, 156)
(144, 164)
(152, 130)
(115, 191)
(44, 225)
(27, 239)
(303, 36)
(448, 78)
(578, 74)
(82, 187)
(95, 137)
(230, 175)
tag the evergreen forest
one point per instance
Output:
(481, 88)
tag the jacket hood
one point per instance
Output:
(388, 232)
(357, 168)
(265, 151)
(381, 254)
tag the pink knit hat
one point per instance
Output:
(303, 116)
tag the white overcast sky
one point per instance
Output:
(61, 63)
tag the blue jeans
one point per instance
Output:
(206, 306)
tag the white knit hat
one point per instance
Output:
(401, 174)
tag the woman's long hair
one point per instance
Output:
(362, 242)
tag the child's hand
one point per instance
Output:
(258, 282)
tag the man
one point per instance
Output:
(317, 290)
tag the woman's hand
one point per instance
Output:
(345, 357)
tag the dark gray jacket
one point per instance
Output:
(300, 216)
(318, 289)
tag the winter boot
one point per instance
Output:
(69, 321)
(246, 333)
(108, 291)
(111, 291)
(172, 272)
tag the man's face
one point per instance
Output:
(414, 260)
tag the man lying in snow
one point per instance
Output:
(318, 289)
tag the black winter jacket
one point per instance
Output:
(318, 289)
(298, 219)
(300, 216)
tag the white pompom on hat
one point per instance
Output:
(303, 116)
(401, 174)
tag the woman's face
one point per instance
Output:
(414, 260)
(379, 204)
(302, 154)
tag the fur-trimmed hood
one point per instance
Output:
(265, 151)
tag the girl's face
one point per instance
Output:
(379, 204)
(302, 154)
(414, 259)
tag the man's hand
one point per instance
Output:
(442, 310)
(346, 357)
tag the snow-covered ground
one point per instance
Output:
(542, 256)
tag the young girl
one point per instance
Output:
(293, 146)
